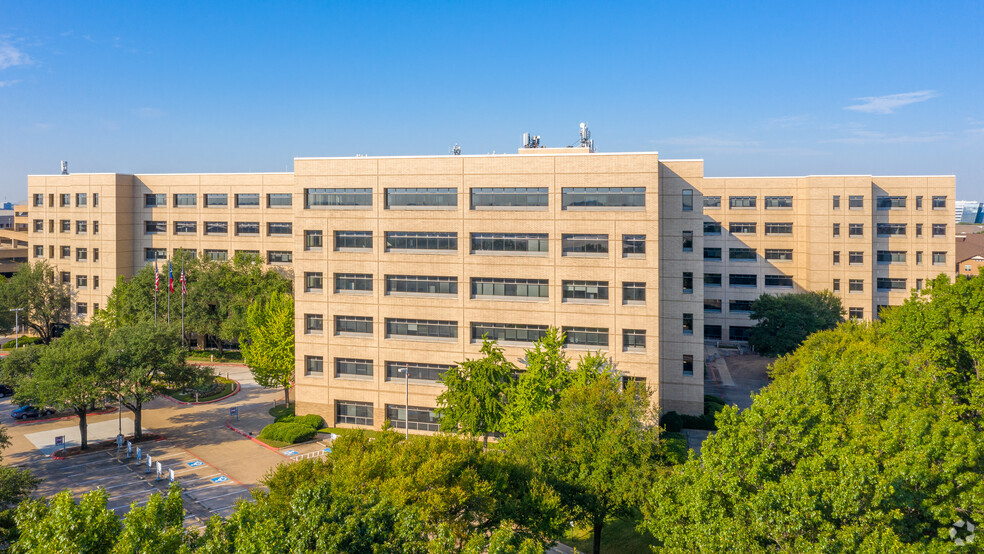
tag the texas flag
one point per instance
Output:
(170, 278)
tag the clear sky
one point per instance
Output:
(781, 88)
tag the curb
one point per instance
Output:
(54, 457)
(234, 392)
(26, 421)
(213, 364)
(256, 440)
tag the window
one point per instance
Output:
(507, 332)
(279, 256)
(779, 254)
(498, 198)
(353, 325)
(217, 255)
(280, 229)
(586, 336)
(66, 226)
(216, 200)
(422, 198)
(249, 200)
(891, 257)
(247, 228)
(81, 227)
(890, 202)
(855, 313)
(216, 227)
(95, 285)
(712, 202)
(688, 241)
(890, 284)
(741, 254)
(855, 230)
(51, 200)
(488, 287)
(855, 202)
(155, 200)
(712, 305)
(919, 284)
(81, 309)
(353, 282)
(742, 280)
(741, 202)
(155, 227)
(584, 244)
(688, 364)
(66, 200)
(919, 257)
(185, 227)
(314, 366)
(712, 280)
(688, 200)
(410, 240)
(742, 228)
(313, 240)
(837, 202)
(784, 281)
(939, 229)
(66, 278)
(419, 418)
(80, 199)
(607, 197)
(919, 227)
(151, 254)
(633, 292)
(855, 258)
(351, 367)
(739, 333)
(81, 254)
(81, 281)
(773, 202)
(712, 332)
(634, 246)
(509, 242)
(688, 324)
(939, 202)
(422, 328)
(416, 371)
(279, 200)
(313, 281)
(890, 229)
(38, 251)
(95, 227)
(939, 258)
(633, 340)
(190, 252)
(837, 285)
(778, 228)
(39, 200)
(421, 284)
(688, 282)
(353, 240)
(585, 290)
(314, 324)
(919, 202)
(837, 257)
(740, 306)
(712, 228)
(184, 200)
(38, 225)
(837, 229)
(855, 285)
(334, 198)
(66, 251)
(712, 253)
(95, 203)
(355, 413)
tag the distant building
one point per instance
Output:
(969, 211)
(970, 254)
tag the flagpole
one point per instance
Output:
(182, 302)
(157, 277)
(169, 277)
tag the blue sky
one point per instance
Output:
(778, 88)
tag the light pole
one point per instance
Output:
(406, 416)
(119, 394)
(16, 325)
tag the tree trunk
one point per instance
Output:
(137, 417)
(597, 536)
(485, 440)
(287, 395)
(83, 427)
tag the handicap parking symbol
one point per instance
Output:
(327, 449)
(291, 453)
(220, 479)
(196, 463)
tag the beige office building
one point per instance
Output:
(404, 263)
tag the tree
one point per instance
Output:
(45, 300)
(156, 527)
(61, 525)
(15, 486)
(268, 342)
(867, 439)
(784, 321)
(598, 449)
(538, 388)
(71, 373)
(474, 399)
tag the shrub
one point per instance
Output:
(672, 422)
(290, 433)
(311, 420)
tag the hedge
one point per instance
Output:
(311, 420)
(290, 433)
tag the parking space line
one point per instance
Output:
(222, 495)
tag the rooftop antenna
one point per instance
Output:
(64, 167)
(456, 150)
(531, 141)
(585, 138)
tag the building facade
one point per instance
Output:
(402, 264)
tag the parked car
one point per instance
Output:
(6, 391)
(27, 411)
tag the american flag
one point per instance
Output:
(157, 278)
(184, 284)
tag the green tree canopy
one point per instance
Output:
(784, 321)
(268, 341)
(868, 439)
(474, 398)
(44, 299)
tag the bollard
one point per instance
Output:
(149, 463)
(139, 455)
(129, 449)
(170, 476)
(159, 471)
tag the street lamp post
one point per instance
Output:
(17, 312)
(406, 416)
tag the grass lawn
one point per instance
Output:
(23, 341)
(617, 536)
(225, 388)
(206, 355)
(281, 410)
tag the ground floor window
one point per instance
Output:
(421, 419)
(355, 413)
